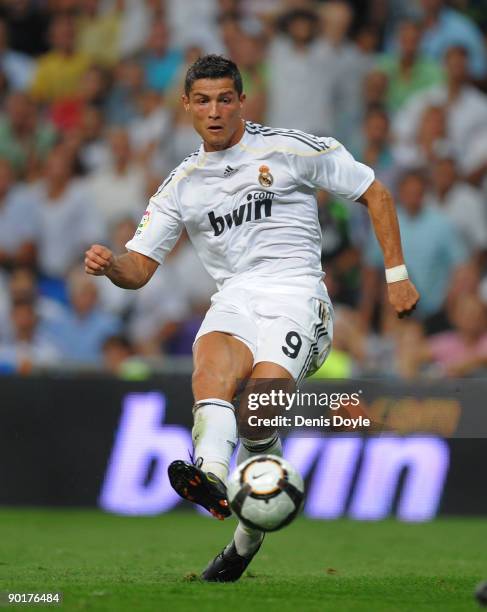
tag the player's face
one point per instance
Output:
(216, 110)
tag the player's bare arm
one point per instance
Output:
(403, 295)
(130, 271)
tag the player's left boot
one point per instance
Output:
(203, 488)
(228, 566)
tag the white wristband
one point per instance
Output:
(396, 274)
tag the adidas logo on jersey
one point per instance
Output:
(229, 171)
(258, 205)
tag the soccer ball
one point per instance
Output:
(265, 492)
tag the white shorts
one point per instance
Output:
(294, 330)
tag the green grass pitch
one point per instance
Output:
(103, 562)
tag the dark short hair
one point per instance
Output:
(213, 67)
(377, 109)
(409, 22)
(414, 173)
(285, 21)
(118, 340)
(458, 48)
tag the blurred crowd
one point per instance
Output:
(91, 123)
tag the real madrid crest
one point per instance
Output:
(265, 177)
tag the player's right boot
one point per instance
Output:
(228, 566)
(203, 488)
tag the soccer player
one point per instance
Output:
(246, 198)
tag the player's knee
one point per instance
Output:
(211, 381)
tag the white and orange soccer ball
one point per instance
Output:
(265, 492)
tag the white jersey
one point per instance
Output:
(250, 210)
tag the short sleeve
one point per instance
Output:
(159, 229)
(333, 169)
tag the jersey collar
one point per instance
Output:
(224, 154)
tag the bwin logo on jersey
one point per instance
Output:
(259, 204)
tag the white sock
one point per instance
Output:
(214, 435)
(246, 539)
(252, 448)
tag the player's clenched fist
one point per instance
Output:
(403, 296)
(98, 260)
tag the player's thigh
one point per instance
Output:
(221, 362)
(266, 378)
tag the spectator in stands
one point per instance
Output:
(150, 130)
(465, 105)
(408, 71)
(117, 350)
(4, 307)
(230, 30)
(461, 351)
(119, 189)
(94, 151)
(337, 17)
(432, 138)
(302, 77)
(128, 84)
(160, 307)
(67, 113)
(18, 230)
(60, 70)
(27, 26)
(462, 203)
(137, 17)
(31, 345)
(473, 162)
(22, 286)
(193, 20)
(444, 27)
(430, 142)
(160, 61)
(184, 140)
(375, 89)
(25, 139)
(388, 352)
(67, 219)
(375, 150)
(373, 146)
(119, 359)
(432, 247)
(80, 334)
(98, 33)
(195, 288)
(17, 67)
(373, 95)
(339, 257)
(194, 282)
(250, 58)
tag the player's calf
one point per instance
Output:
(214, 435)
